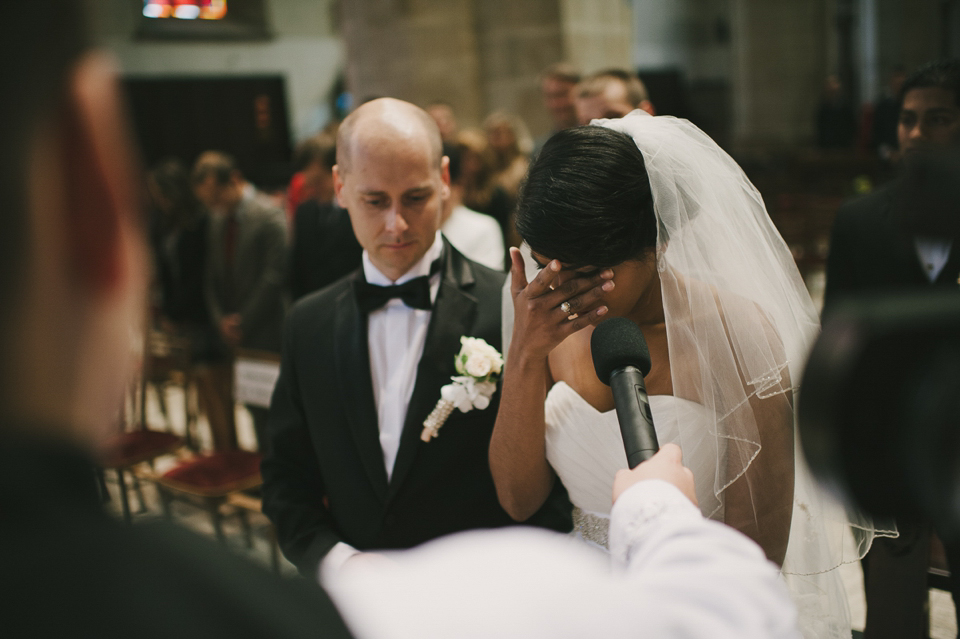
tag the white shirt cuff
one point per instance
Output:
(641, 507)
(334, 560)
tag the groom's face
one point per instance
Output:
(393, 190)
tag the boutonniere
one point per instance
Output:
(479, 366)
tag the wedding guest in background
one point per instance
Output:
(364, 360)
(179, 239)
(442, 114)
(612, 93)
(246, 269)
(476, 235)
(313, 179)
(480, 192)
(886, 117)
(324, 246)
(557, 83)
(836, 120)
(510, 147)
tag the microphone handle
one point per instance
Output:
(633, 413)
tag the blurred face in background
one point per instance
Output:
(442, 114)
(612, 103)
(219, 198)
(929, 118)
(558, 98)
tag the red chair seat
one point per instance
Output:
(136, 446)
(216, 474)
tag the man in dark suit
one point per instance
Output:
(347, 470)
(882, 243)
(324, 247)
(246, 271)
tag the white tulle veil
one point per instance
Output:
(739, 326)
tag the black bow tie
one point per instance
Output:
(415, 293)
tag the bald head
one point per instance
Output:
(387, 119)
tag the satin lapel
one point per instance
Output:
(352, 360)
(453, 315)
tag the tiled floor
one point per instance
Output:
(942, 616)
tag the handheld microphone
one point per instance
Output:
(621, 358)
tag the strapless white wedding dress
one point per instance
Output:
(585, 449)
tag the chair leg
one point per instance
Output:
(124, 503)
(245, 526)
(274, 549)
(166, 500)
(213, 507)
(162, 404)
(139, 491)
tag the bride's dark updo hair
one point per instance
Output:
(586, 200)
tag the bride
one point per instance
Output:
(647, 218)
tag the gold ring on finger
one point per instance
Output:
(565, 307)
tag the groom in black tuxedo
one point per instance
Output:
(364, 360)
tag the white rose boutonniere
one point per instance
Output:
(479, 366)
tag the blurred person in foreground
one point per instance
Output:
(246, 269)
(72, 288)
(476, 235)
(612, 93)
(875, 248)
(72, 299)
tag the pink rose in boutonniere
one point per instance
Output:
(479, 366)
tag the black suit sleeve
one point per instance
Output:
(293, 488)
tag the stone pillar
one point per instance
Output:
(780, 50)
(415, 50)
(478, 55)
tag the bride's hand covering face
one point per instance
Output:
(554, 305)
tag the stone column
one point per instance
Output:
(478, 55)
(416, 50)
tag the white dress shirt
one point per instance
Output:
(396, 335)
(476, 235)
(674, 574)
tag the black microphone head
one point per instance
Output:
(617, 343)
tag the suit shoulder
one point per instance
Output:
(321, 303)
(866, 206)
(487, 276)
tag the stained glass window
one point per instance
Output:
(185, 9)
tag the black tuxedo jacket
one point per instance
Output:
(324, 475)
(870, 253)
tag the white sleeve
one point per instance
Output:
(684, 577)
(333, 561)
